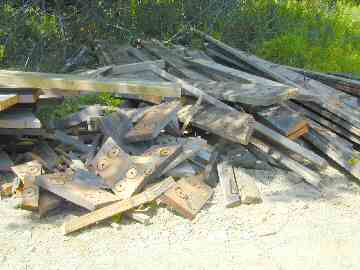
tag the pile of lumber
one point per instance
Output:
(190, 120)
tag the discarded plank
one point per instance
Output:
(254, 94)
(111, 162)
(30, 191)
(188, 196)
(5, 162)
(7, 101)
(153, 121)
(115, 126)
(106, 212)
(335, 148)
(6, 190)
(147, 167)
(70, 141)
(80, 83)
(228, 184)
(308, 175)
(249, 191)
(232, 125)
(289, 123)
(81, 194)
(25, 96)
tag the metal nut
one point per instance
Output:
(180, 193)
(102, 164)
(164, 152)
(114, 152)
(148, 171)
(132, 173)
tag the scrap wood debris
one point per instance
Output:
(194, 119)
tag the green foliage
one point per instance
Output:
(74, 104)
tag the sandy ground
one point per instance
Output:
(294, 228)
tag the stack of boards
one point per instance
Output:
(190, 120)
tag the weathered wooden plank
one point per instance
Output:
(153, 121)
(308, 175)
(345, 133)
(46, 155)
(19, 119)
(5, 162)
(248, 93)
(6, 190)
(8, 100)
(309, 89)
(340, 83)
(284, 120)
(81, 194)
(135, 67)
(184, 169)
(335, 148)
(234, 126)
(290, 145)
(147, 167)
(80, 83)
(188, 196)
(249, 191)
(173, 60)
(228, 183)
(111, 162)
(106, 212)
(115, 126)
(30, 191)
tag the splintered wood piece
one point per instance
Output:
(19, 119)
(148, 167)
(89, 178)
(228, 184)
(6, 190)
(287, 122)
(232, 125)
(111, 162)
(115, 126)
(83, 195)
(7, 101)
(153, 121)
(106, 212)
(80, 83)
(46, 155)
(47, 202)
(77, 118)
(250, 193)
(185, 169)
(188, 196)
(30, 191)
(5, 162)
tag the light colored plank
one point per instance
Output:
(188, 196)
(80, 83)
(250, 193)
(8, 100)
(228, 184)
(106, 212)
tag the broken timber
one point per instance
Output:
(83, 195)
(228, 184)
(106, 212)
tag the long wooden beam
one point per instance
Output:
(80, 83)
